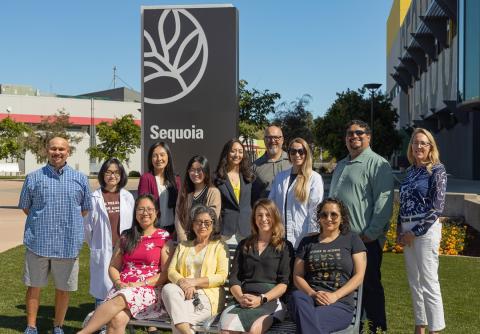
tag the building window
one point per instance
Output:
(468, 50)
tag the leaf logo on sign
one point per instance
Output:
(177, 60)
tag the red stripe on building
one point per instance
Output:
(75, 120)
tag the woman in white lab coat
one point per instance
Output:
(112, 213)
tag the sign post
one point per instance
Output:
(189, 80)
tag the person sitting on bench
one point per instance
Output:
(329, 267)
(137, 270)
(260, 274)
(198, 272)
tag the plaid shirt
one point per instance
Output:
(55, 201)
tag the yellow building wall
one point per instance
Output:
(395, 19)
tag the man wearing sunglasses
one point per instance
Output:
(270, 164)
(363, 181)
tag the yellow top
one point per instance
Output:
(215, 267)
(236, 190)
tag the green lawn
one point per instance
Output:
(460, 281)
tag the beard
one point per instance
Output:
(273, 150)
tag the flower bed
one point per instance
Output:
(454, 234)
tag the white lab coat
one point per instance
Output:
(98, 235)
(300, 218)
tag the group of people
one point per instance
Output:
(167, 250)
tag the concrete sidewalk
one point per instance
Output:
(12, 220)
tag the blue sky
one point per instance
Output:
(316, 47)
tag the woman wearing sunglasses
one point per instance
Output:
(197, 188)
(198, 271)
(328, 267)
(297, 192)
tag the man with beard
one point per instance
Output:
(363, 181)
(270, 164)
(55, 198)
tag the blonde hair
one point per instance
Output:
(278, 231)
(433, 157)
(304, 173)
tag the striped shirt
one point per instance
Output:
(55, 200)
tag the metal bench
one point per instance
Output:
(211, 325)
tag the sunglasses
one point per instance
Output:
(356, 132)
(294, 151)
(325, 215)
(197, 304)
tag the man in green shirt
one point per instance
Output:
(363, 181)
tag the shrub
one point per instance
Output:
(453, 235)
(133, 173)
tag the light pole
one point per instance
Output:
(372, 88)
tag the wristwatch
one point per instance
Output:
(263, 299)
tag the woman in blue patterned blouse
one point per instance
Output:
(422, 198)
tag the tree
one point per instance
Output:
(119, 139)
(51, 126)
(13, 139)
(330, 129)
(295, 120)
(254, 106)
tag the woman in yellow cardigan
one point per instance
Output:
(198, 271)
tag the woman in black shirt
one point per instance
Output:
(329, 266)
(260, 273)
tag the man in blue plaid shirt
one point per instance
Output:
(55, 198)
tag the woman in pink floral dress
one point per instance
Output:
(137, 270)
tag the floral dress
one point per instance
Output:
(144, 302)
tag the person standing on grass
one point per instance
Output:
(274, 161)
(363, 181)
(422, 199)
(55, 198)
(112, 213)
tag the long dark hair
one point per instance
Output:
(169, 174)
(345, 217)
(245, 166)
(198, 210)
(189, 186)
(123, 175)
(131, 237)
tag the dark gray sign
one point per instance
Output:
(189, 80)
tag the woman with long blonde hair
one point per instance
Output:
(297, 192)
(260, 274)
(422, 199)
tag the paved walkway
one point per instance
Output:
(12, 220)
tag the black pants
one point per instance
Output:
(373, 301)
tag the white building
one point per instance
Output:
(85, 112)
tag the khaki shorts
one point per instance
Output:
(64, 271)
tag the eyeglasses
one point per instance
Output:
(197, 304)
(273, 138)
(421, 143)
(195, 171)
(205, 223)
(356, 132)
(109, 173)
(294, 151)
(325, 215)
(147, 210)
